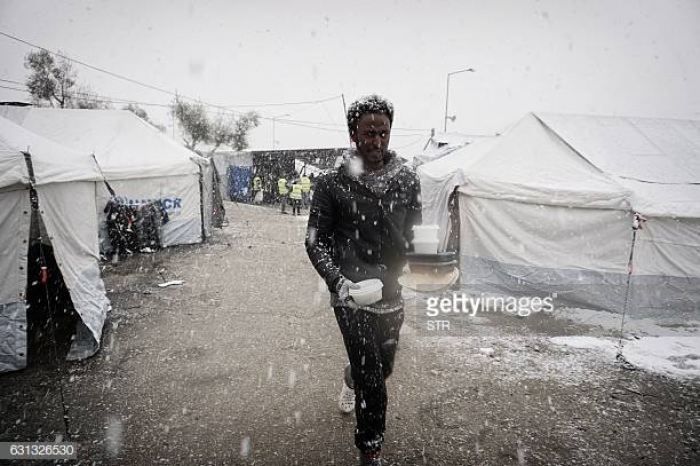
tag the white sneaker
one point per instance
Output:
(346, 401)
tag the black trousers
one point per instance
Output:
(296, 206)
(370, 340)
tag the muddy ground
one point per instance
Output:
(241, 365)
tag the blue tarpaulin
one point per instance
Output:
(239, 180)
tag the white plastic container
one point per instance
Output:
(425, 239)
(425, 247)
(426, 232)
(369, 292)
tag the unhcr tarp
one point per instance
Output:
(224, 160)
(140, 163)
(551, 207)
(65, 184)
(240, 183)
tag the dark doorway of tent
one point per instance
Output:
(51, 318)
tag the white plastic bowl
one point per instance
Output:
(369, 292)
(425, 247)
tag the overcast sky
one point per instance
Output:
(623, 57)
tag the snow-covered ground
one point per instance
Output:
(665, 347)
(675, 356)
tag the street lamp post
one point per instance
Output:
(274, 119)
(447, 93)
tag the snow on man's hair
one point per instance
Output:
(369, 104)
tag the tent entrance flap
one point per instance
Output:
(73, 236)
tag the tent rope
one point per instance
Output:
(104, 178)
(637, 224)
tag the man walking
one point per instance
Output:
(360, 227)
(305, 190)
(283, 193)
(296, 196)
(257, 189)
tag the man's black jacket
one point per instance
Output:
(360, 225)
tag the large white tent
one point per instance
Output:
(64, 181)
(551, 206)
(140, 163)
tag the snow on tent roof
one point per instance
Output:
(644, 149)
(657, 159)
(531, 164)
(648, 165)
(51, 162)
(126, 147)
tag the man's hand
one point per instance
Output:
(342, 288)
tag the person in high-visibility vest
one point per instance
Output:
(257, 189)
(283, 193)
(296, 197)
(305, 190)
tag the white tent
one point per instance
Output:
(65, 185)
(550, 208)
(439, 179)
(140, 163)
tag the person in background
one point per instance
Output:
(305, 190)
(360, 227)
(257, 189)
(296, 196)
(283, 193)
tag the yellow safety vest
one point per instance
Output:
(305, 184)
(296, 192)
(282, 186)
(257, 183)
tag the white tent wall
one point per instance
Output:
(666, 261)
(180, 195)
(439, 179)
(65, 209)
(578, 255)
(550, 208)
(15, 217)
(435, 199)
(669, 247)
(549, 236)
